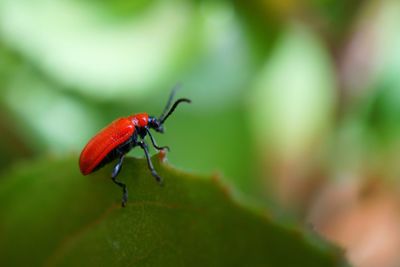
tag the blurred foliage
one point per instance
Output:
(288, 96)
(11, 141)
(120, 9)
(190, 221)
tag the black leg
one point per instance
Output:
(154, 142)
(149, 163)
(114, 175)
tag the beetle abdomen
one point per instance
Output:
(109, 138)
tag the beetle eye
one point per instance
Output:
(152, 123)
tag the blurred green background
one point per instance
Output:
(289, 97)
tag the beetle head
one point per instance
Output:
(155, 124)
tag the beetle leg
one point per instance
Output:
(114, 175)
(154, 141)
(143, 145)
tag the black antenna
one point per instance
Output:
(169, 102)
(180, 100)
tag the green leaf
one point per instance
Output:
(51, 215)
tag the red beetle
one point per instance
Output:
(118, 138)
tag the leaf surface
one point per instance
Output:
(52, 215)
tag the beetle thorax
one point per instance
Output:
(140, 119)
